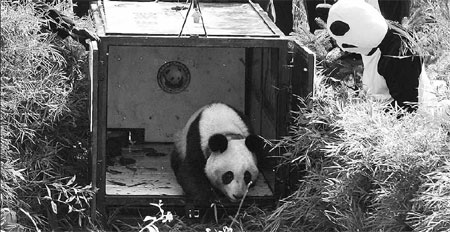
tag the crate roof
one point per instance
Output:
(166, 19)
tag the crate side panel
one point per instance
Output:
(269, 91)
(135, 99)
(254, 67)
(304, 70)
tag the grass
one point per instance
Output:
(44, 124)
(367, 169)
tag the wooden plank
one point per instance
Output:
(167, 41)
(270, 82)
(269, 94)
(93, 116)
(163, 18)
(99, 24)
(283, 91)
(266, 19)
(255, 114)
(101, 131)
(303, 70)
(253, 87)
(162, 184)
(268, 127)
(144, 201)
(300, 74)
(178, 203)
(283, 118)
(93, 71)
(151, 175)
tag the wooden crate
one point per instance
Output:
(146, 81)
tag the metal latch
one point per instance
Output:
(290, 59)
(193, 213)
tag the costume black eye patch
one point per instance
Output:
(227, 177)
(344, 45)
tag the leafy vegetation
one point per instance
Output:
(367, 169)
(44, 125)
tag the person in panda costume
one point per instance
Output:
(393, 71)
(216, 154)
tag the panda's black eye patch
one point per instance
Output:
(247, 177)
(227, 177)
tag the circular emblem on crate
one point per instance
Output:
(173, 77)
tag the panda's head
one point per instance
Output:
(356, 26)
(232, 164)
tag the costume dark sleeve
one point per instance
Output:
(395, 10)
(285, 19)
(56, 21)
(400, 67)
(312, 13)
(402, 78)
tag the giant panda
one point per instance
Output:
(392, 68)
(216, 154)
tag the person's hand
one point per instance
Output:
(322, 14)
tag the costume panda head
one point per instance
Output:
(216, 149)
(356, 26)
(392, 67)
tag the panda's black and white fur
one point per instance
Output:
(216, 150)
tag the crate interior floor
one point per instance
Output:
(151, 174)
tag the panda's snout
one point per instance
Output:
(238, 197)
(339, 28)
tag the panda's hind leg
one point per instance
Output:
(190, 176)
(175, 161)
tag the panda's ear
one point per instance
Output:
(254, 143)
(218, 143)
